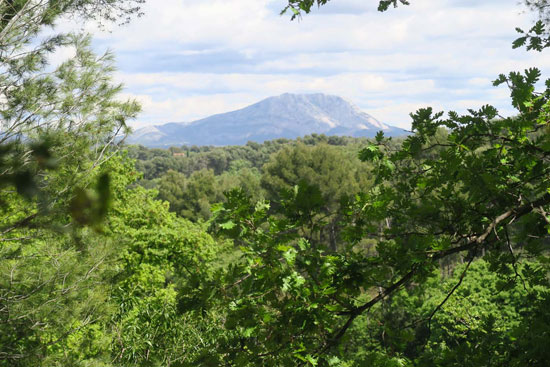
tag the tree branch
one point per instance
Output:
(407, 278)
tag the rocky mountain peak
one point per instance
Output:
(285, 116)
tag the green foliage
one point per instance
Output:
(57, 128)
(156, 162)
(40, 111)
(464, 186)
(51, 289)
(190, 197)
(36, 13)
(335, 172)
(385, 4)
(280, 275)
(488, 321)
(299, 6)
(162, 262)
(95, 271)
(318, 178)
(535, 39)
(191, 179)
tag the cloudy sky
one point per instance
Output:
(187, 59)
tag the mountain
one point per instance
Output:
(285, 116)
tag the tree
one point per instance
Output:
(488, 322)
(326, 167)
(323, 165)
(162, 261)
(171, 188)
(36, 105)
(40, 110)
(480, 191)
(431, 208)
(57, 129)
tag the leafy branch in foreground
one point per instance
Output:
(299, 6)
(58, 125)
(542, 7)
(536, 38)
(41, 112)
(462, 187)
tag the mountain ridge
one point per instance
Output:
(284, 116)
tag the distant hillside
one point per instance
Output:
(285, 116)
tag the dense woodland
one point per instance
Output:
(430, 250)
(192, 179)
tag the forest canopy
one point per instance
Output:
(325, 251)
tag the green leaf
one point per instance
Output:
(519, 42)
(228, 225)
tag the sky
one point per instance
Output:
(188, 59)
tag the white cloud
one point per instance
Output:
(187, 59)
(61, 55)
(192, 107)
